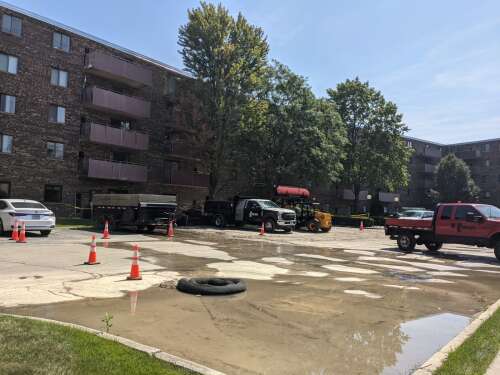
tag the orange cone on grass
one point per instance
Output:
(92, 254)
(262, 229)
(170, 232)
(22, 234)
(135, 273)
(15, 232)
(105, 233)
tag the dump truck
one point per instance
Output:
(308, 212)
(138, 211)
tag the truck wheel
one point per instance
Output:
(433, 246)
(45, 233)
(313, 226)
(287, 229)
(406, 242)
(219, 221)
(269, 225)
(497, 250)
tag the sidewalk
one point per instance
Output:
(494, 368)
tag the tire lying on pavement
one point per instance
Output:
(211, 286)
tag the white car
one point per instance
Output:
(33, 214)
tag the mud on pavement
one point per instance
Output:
(346, 302)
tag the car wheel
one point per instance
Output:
(219, 221)
(406, 242)
(269, 225)
(497, 250)
(45, 233)
(433, 246)
(287, 229)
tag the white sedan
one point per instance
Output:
(33, 214)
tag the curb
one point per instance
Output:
(433, 363)
(153, 352)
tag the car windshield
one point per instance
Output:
(411, 213)
(491, 212)
(27, 205)
(268, 204)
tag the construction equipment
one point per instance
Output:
(308, 212)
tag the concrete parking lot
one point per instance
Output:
(344, 302)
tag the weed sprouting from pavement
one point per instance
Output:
(108, 322)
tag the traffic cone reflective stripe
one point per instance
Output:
(22, 235)
(15, 232)
(105, 234)
(92, 254)
(170, 232)
(135, 273)
(361, 226)
(262, 229)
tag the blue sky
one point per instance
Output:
(439, 61)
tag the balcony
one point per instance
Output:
(112, 102)
(433, 153)
(111, 170)
(108, 135)
(468, 155)
(182, 150)
(188, 179)
(111, 67)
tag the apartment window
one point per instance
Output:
(120, 124)
(170, 86)
(487, 147)
(8, 63)
(60, 41)
(59, 77)
(57, 114)
(409, 144)
(11, 25)
(55, 150)
(484, 179)
(487, 194)
(53, 193)
(5, 144)
(7, 103)
(4, 189)
(487, 163)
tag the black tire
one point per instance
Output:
(287, 229)
(211, 286)
(497, 250)
(45, 233)
(220, 221)
(313, 226)
(433, 246)
(406, 242)
(269, 225)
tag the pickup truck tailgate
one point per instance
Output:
(409, 223)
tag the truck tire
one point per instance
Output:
(313, 226)
(497, 249)
(406, 242)
(45, 233)
(220, 221)
(269, 225)
(287, 229)
(433, 246)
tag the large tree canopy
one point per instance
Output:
(454, 182)
(377, 156)
(228, 57)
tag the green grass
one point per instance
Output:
(477, 352)
(73, 223)
(33, 347)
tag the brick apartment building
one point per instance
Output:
(80, 116)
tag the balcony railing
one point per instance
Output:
(112, 170)
(111, 67)
(468, 155)
(108, 135)
(109, 101)
(187, 179)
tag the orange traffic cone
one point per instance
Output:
(135, 273)
(22, 234)
(92, 254)
(170, 232)
(262, 229)
(361, 226)
(105, 234)
(15, 232)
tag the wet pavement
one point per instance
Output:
(346, 302)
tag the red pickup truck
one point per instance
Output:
(459, 223)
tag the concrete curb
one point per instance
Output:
(154, 352)
(433, 363)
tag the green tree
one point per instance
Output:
(454, 182)
(377, 155)
(290, 136)
(228, 57)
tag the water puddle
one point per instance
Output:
(424, 337)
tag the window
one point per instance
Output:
(11, 25)
(5, 144)
(446, 213)
(53, 193)
(4, 189)
(3, 205)
(486, 147)
(120, 124)
(55, 150)
(59, 77)
(57, 114)
(487, 163)
(461, 212)
(60, 41)
(7, 104)
(170, 85)
(121, 157)
(8, 63)
(409, 144)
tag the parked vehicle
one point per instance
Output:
(33, 214)
(459, 223)
(308, 212)
(250, 211)
(139, 211)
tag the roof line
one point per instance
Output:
(94, 38)
(452, 144)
